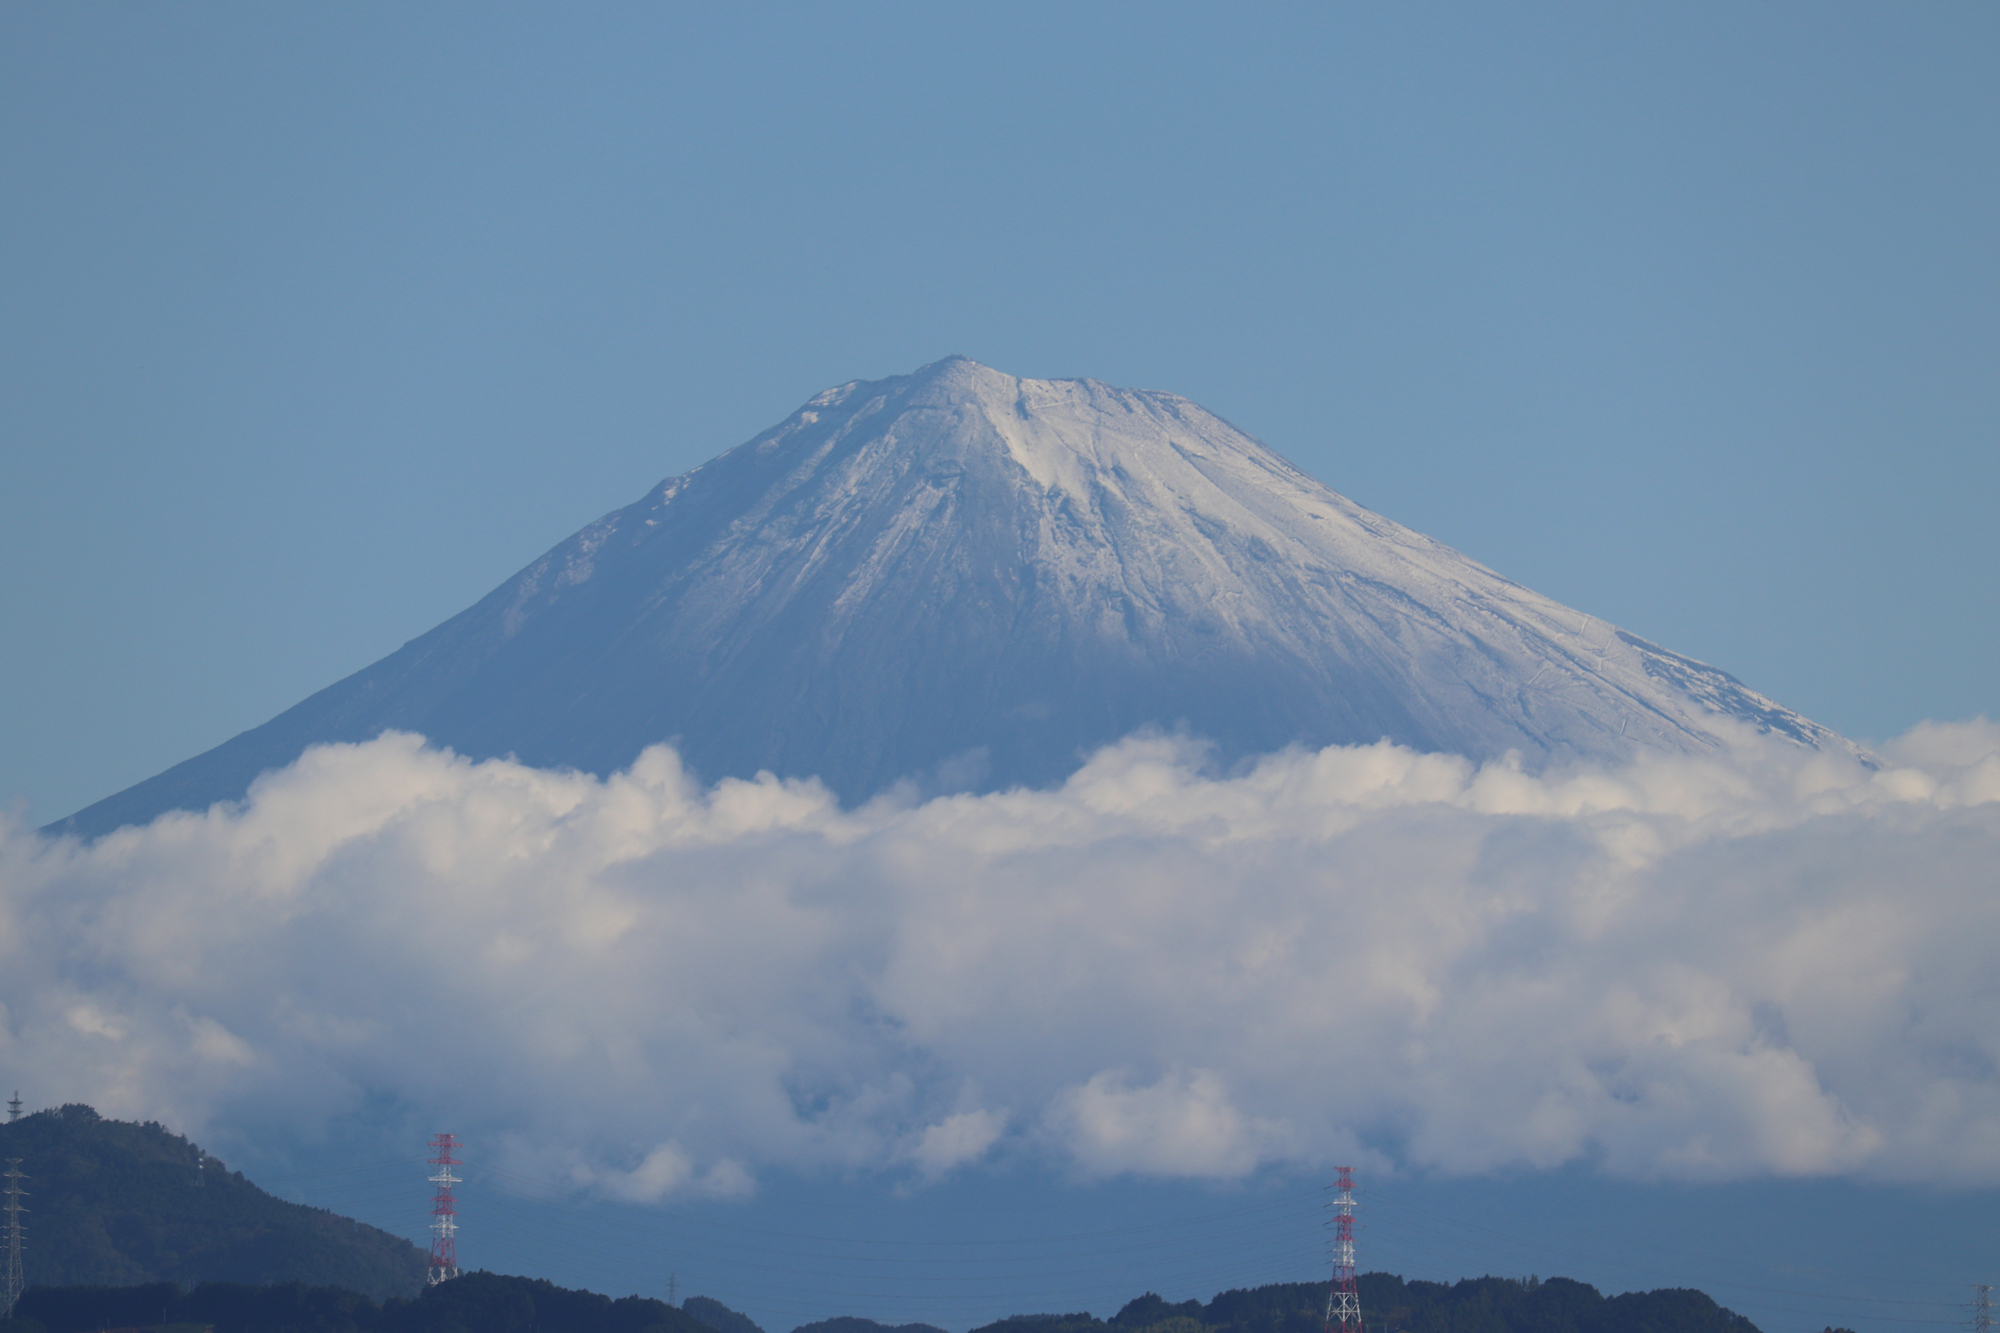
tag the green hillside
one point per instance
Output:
(112, 1203)
(490, 1303)
(474, 1303)
(1391, 1305)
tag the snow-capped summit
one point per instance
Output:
(965, 577)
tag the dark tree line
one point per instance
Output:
(473, 1303)
(1391, 1305)
(490, 1303)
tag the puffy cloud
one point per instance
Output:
(663, 1171)
(1182, 1125)
(956, 1140)
(1764, 962)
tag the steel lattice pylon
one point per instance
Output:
(14, 1194)
(1343, 1298)
(444, 1210)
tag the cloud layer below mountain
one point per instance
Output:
(1762, 963)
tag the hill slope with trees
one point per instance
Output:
(490, 1303)
(1389, 1304)
(112, 1203)
(474, 1303)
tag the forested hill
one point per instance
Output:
(113, 1203)
(1388, 1305)
(490, 1303)
(474, 1303)
(1391, 1305)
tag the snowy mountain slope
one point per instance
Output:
(972, 578)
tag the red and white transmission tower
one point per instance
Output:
(444, 1210)
(1343, 1298)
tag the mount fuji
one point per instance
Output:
(970, 580)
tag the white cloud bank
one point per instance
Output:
(1765, 963)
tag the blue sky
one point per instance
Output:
(320, 322)
(323, 321)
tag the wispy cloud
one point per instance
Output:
(1763, 963)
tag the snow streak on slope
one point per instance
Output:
(973, 580)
